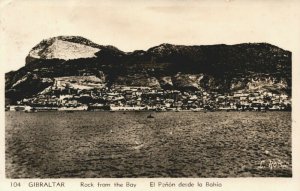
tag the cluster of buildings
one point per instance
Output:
(122, 98)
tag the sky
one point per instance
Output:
(131, 25)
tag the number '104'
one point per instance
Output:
(15, 184)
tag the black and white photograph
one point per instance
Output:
(79, 109)
(140, 89)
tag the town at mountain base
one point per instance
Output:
(73, 73)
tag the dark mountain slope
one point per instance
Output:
(213, 67)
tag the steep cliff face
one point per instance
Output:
(223, 68)
(66, 48)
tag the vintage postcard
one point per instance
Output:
(149, 95)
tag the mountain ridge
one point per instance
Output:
(220, 65)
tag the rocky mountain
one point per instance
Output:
(221, 68)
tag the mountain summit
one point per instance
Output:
(66, 48)
(220, 68)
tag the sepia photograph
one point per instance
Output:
(140, 89)
(80, 109)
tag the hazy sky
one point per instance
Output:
(131, 25)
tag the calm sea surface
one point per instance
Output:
(172, 144)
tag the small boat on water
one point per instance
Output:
(150, 116)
